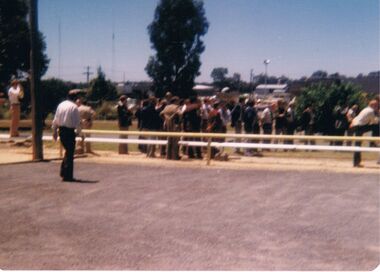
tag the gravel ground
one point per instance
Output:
(143, 216)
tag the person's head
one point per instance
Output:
(273, 106)
(374, 104)
(241, 100)
(174, 100)
(168, 96)
(14, 82)
(123, 99)
(73, 95)
(280, 103)
(250, 103)
(145, 103)
(152, 101)
(78, 101)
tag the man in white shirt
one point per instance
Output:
(67, 123)
(267, 120)
(363, 123)
(15, 92)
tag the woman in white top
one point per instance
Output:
(15, 92)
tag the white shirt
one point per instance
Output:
(225, 115)
(366, 117)
(290, 113)
(205, 109)
(13, 94)
(267, 116)
(67, 115)
(351, 114)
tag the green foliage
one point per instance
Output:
(54, 91)
(324, 98)
(15, 43)
(219, 75)
(319, 74)
(101, 89)
(175, 34)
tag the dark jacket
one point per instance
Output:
(250, 119)
(236, 114)
(150, 119)
(124, 115)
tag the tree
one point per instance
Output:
(175, 34)
(324, 98)
(54, 91)
(219, 74)
(15, 43)
(319, 74)
(101, 89)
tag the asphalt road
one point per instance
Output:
(160, 218)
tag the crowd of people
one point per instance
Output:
(213, 115)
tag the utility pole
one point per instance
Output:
(87, 73)
(35, 91)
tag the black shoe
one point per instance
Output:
(69, 180)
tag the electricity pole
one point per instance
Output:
(35, 91)
(87, 73)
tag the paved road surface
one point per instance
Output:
(161, 218)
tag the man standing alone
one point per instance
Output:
(66, 121)
(15, 93)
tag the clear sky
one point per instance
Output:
(298, 36)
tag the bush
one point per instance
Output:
(324, 98)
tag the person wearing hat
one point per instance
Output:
(15, 93)
(67, 124)
(364, 122)
(290, 121)
(87, 115)
(124, 116)
(171, 115)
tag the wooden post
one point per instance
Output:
(37, 122)
(208, 150)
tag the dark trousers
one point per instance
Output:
(290, 128)
(67, 137)
(359, 131)
(267, 129)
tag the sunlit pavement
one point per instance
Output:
(130, 216)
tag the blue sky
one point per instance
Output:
(298, 36)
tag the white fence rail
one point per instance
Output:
(208, 140)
